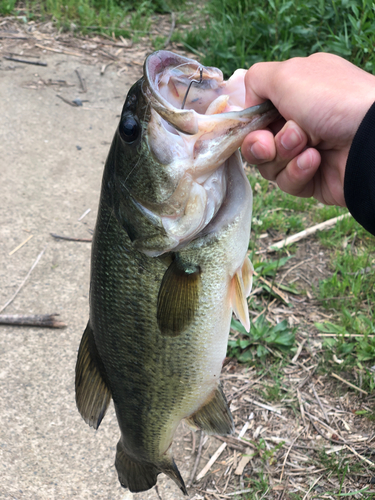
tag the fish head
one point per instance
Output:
(180, 124)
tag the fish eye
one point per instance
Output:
(129, 129)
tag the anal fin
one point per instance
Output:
(239, 302)
(247, 275)
(215, 416)
(92, 393)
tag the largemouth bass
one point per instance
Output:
(169, 263)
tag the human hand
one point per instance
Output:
(322, 99)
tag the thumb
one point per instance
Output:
(258, 83)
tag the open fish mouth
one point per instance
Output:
(197, 122)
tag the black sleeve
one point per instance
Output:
(359, 183)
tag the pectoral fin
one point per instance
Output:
(238, 301)
(178, 297)
(92, 393)
(214, 417)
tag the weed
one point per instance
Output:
(114, 17)
(261, 341)
(238, 33)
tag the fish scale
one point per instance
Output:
(161, 305)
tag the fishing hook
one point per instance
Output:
(191, 83)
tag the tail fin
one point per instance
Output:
(141, 476)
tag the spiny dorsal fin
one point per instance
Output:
(92, 393)
(247, 275)
(239, 302)
(215, 416)
(178, 297)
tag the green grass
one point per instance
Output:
(238, 33)
(128, 18)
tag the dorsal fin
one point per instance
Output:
(214, 417)
(178, 297)
(92, 393)
(239, 302)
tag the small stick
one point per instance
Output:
(81, 81)
(24, 61)
(21, 245)
(59, 51)
(71, 103)
(47, 320)
(372, 464)
(70, 238)
(312, 486)
(24, 281)
(157, 492)
(349, 384)
(212, 460)
(287, 454)
(192, 475)
(320, 404)
(299, 350)
(307, 232)
(266, 407)
(23, 55)
(273, 287)
(84, 214)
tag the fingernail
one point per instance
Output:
(259, 151)
(290, 139)
(304, 161)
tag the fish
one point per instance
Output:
(169, 263)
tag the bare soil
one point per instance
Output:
(51, 159)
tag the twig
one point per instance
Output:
(302, 409)
(307, 378)
(70, 238)
(104, 67)
(81, 81)
(20, 245)
(25, 61)
(287, 454)
(173, 24)
(299, 350)
(320, 404)
(71, 103)
(312, 486)
(372, 464)
(266, 407)
(84, 214)
(336, 441)
(107, 54)
(284, 489)
(295, 267)
(212, 460)
(157, 492)
(47, 320)
(307, 232)
(349, 384)
(273, 288)
(24, 281)
(198, 457)
(59, 51)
